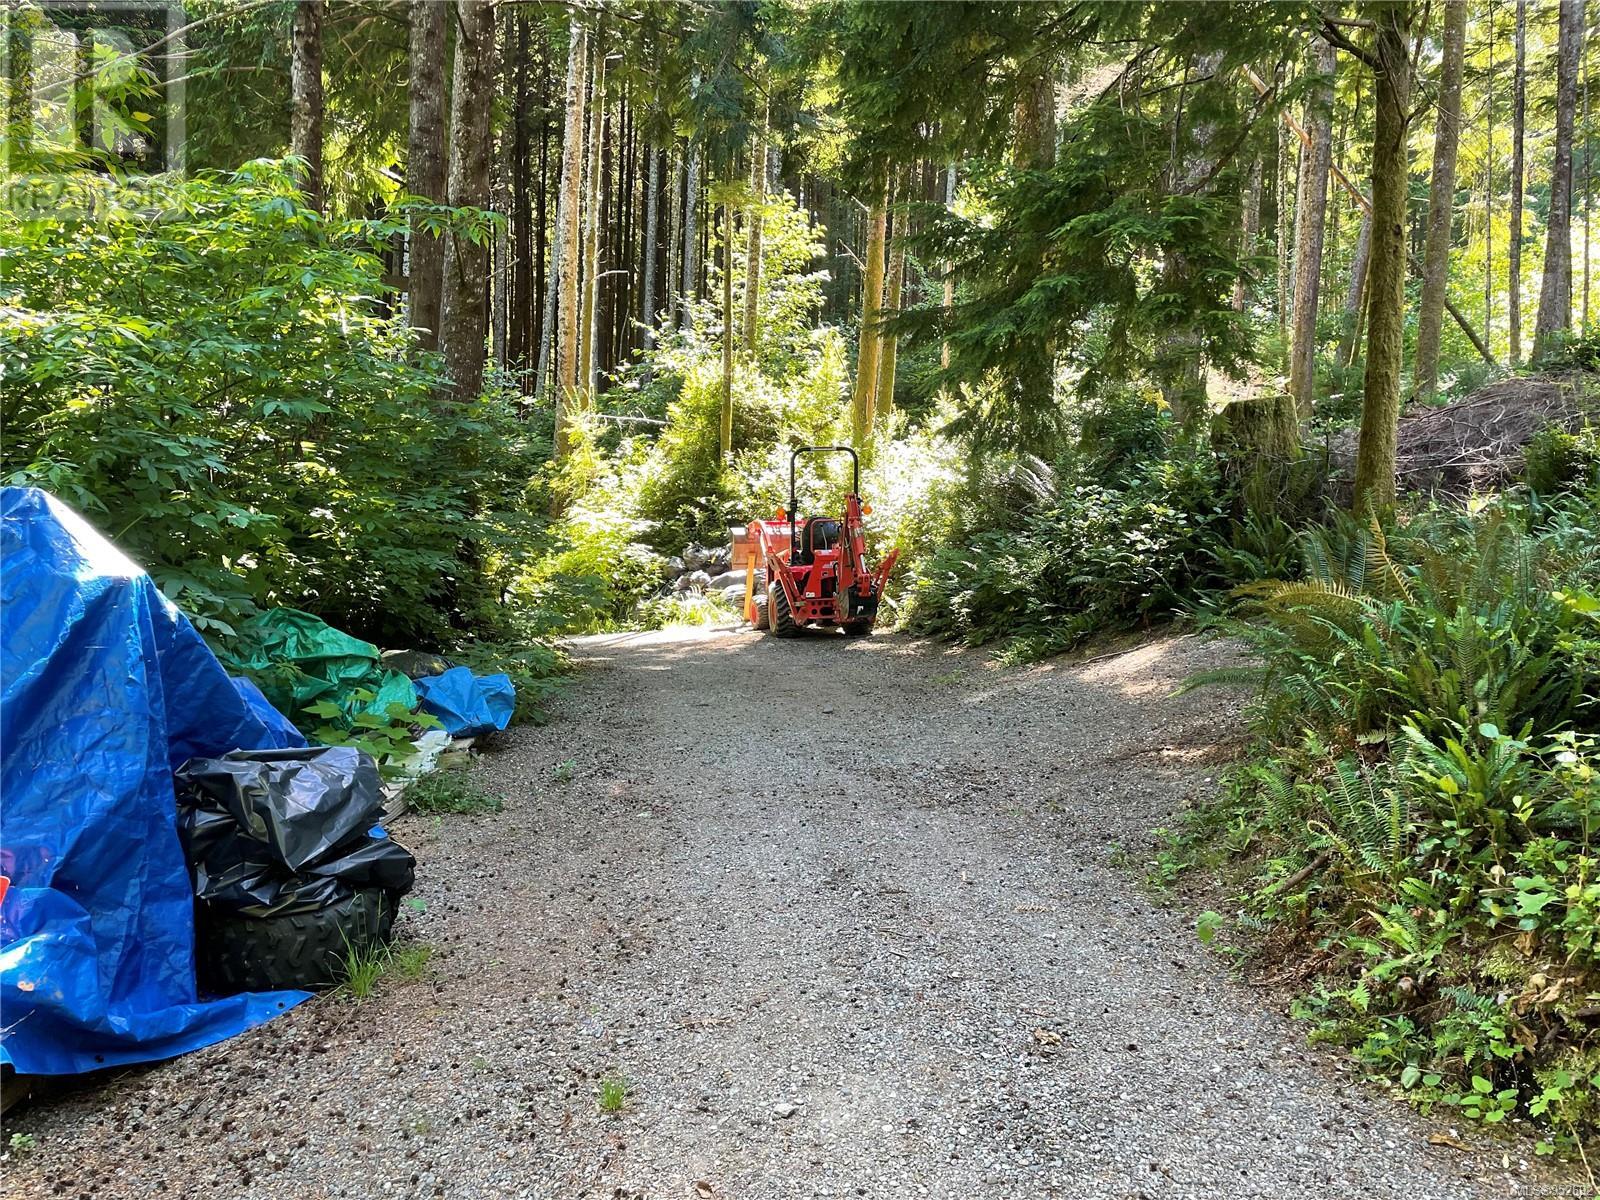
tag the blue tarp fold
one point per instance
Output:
(466, 704)
(105, 689)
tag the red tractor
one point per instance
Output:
(816, 569)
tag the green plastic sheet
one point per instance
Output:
(298, 660)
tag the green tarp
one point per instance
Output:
(298, 660)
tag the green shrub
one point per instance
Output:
(224, 391)
(1042, 559)
(687, 608)
(1556, 460)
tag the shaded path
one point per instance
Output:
(845, 917)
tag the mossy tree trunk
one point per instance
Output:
(868, 354)
(1441, 204)
(1380, 409)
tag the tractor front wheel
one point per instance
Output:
(779, 618)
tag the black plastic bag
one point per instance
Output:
(300, 804)
(275, 832)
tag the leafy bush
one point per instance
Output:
(689, 608)
(1041, 559)
(1557, 460)
(226, 389)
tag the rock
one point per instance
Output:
(698, 581)
(695, 556)
(731, 578)
(785, 1109)
(720, 559)
(673, 567)
(733, 595)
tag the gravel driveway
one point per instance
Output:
(847, 919)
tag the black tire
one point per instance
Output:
(856, 628)
(779, 619)
(759, 600)
(238, 953)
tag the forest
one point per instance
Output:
(458, 324)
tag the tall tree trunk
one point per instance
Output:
(1310, 215)
(1488, 188)
(1588, 159)
(522, 268)
(593, 194)
(1555, 289)
(542, 251)
(1280, 222)
(568, 244)
(888, 360)
(305, 96)
(652, 210)
(868, 356)
(1181, 367)
(425, 163)
(1380, 410)
(1441, 204)
(462, 312)
(1250, 228)
(1355, 295)
(500, 200)
(730, 324)
(675, 243)
(691, 231)
(949, 268)
(752, 254)
(1519, 113)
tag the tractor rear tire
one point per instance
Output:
(779, 618)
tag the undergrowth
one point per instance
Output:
(1417, 834)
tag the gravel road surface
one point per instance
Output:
(836, 919)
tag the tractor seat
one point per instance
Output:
(819, 533)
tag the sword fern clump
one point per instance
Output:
(1452, 618)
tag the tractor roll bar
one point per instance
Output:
(855, 485)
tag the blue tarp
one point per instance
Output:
(105, 689)
(283, 734)
(466, 704)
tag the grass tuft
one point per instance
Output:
(451, 790)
